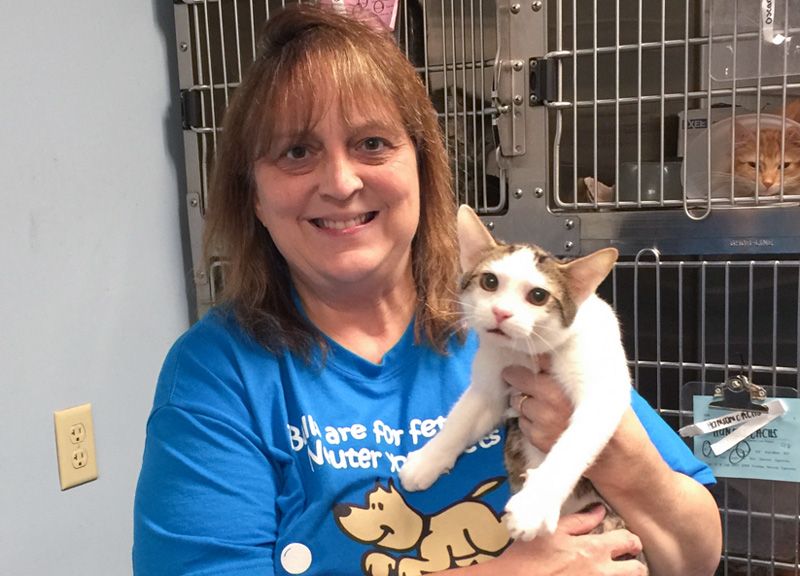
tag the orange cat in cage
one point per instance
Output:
(772, 166)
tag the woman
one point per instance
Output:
(281, 419)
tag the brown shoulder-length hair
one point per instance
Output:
(307, 54)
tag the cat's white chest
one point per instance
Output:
(490, 360)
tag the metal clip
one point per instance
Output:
(738, 393)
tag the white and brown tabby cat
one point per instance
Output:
(521, 301)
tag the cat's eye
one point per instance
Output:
(538, 296)
(786, 165)
(751, 164)
(489, 282)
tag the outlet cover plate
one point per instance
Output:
(77, 459)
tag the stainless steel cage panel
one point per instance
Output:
(705, 320)
(614, 86)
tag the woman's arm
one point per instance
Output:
(205, 499)
(206, 496)
(674, 515)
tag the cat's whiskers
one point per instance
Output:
(464, 305)
(469, 318)
(472, 317)
(530, 342)
(531, 348)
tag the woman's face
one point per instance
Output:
(341, 200)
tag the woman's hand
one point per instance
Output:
(572, 550)
(540, 398)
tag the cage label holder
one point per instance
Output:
(746, 423)
(742, 443)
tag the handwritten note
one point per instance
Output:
(770, 453)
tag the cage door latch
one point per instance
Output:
(191, 111)
(542, 81)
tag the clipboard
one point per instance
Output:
(742, 429)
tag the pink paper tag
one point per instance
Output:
(377, 13)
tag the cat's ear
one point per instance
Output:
(745, 135)
(792, 110)
(792, 135)
(473, 238)
(585, 274)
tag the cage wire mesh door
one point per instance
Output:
(663, 128)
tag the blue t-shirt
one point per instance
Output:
(257, 463)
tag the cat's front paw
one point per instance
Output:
(421, 470)
(528, 516)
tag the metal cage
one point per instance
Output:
(543, 102)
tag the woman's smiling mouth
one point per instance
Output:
(331, 224)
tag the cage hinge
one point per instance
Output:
(190, 109)
(542, 81)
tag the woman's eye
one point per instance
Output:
(373, 144)
(538, 296)
(489, 282)
(297, 152)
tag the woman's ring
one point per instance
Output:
(521, 402)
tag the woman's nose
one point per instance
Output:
(342, 177)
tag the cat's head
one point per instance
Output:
(771, 165)
(520, 296)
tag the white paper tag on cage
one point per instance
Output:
(339, 6)
(770, 452)
(768, 20)
(768, 23)
(377, 13)
(728, 419)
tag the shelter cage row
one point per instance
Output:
(642, 124)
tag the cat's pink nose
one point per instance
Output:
(500, 314)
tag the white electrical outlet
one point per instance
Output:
(77, 460)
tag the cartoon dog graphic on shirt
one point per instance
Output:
(467, 532)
